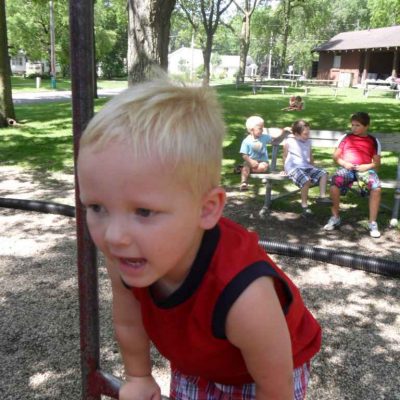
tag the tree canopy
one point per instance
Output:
(288, 29)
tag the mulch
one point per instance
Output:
(39, 345)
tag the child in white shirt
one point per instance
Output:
(299, 164)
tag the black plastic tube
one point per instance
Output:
(375, 265)
(40, 206)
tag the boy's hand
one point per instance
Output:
(348, 165)
(254, 163)
(362, 167)
(140, 388)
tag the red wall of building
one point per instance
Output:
(381, 63)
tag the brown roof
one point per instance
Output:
(369, 39)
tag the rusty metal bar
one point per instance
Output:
(81, 39)
(94, 381)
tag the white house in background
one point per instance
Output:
(20, 65)
(184, 60)
(187, 60)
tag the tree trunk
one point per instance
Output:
(6, 103)
(148, 37)
(207, 60)
(244, 45)
(286, 26)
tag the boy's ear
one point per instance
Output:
(212, 207)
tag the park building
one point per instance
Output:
(352, 58)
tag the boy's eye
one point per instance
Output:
(144, 212)
(94, 207)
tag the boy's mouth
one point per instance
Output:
(132, 262)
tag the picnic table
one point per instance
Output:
(377, 84)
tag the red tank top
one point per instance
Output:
(188, 327)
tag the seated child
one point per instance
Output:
(295, 104)
(254, 149)
(194, 283)
(359, 156)
(299, 164)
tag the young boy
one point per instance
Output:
(254, 149)
(359, 156)
(299, 165)
(197, 285)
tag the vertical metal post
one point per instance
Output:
(82, 61)
(94, 381)
(271, 41)
(52, 47)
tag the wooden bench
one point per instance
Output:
(327, 139)
(307, 84)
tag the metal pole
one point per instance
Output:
(270, 56)
(52, 48)
(94, 381)
(81, 37)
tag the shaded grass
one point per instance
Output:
(43, 141)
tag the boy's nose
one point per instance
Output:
(117, 232)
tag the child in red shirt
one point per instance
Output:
(359, 156)
(194, 283)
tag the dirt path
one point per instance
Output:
(39, 340)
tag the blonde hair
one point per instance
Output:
(181, 126)
(252, 121)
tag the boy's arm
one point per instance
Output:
(133, 342)
(279, 136)
(337, 157)
(284, 157)
(375, 164)
(253, 163)
(256, 325)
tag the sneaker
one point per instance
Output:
(243, 186)
(373, 230)
(306, 212)
(332, 223)
(325, 201)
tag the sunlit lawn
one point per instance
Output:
(44, 140)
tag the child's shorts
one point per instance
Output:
(300, 176)
(184, 387)
(344, 179)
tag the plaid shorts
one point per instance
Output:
(344, 179)
(184, 387)
(300, 176)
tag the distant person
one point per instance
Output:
(197, 285)
(295, 104)
(299, 165)
(359, 156)
(254, 149)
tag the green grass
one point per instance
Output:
(43, 141)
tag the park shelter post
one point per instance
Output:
(94, 381)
